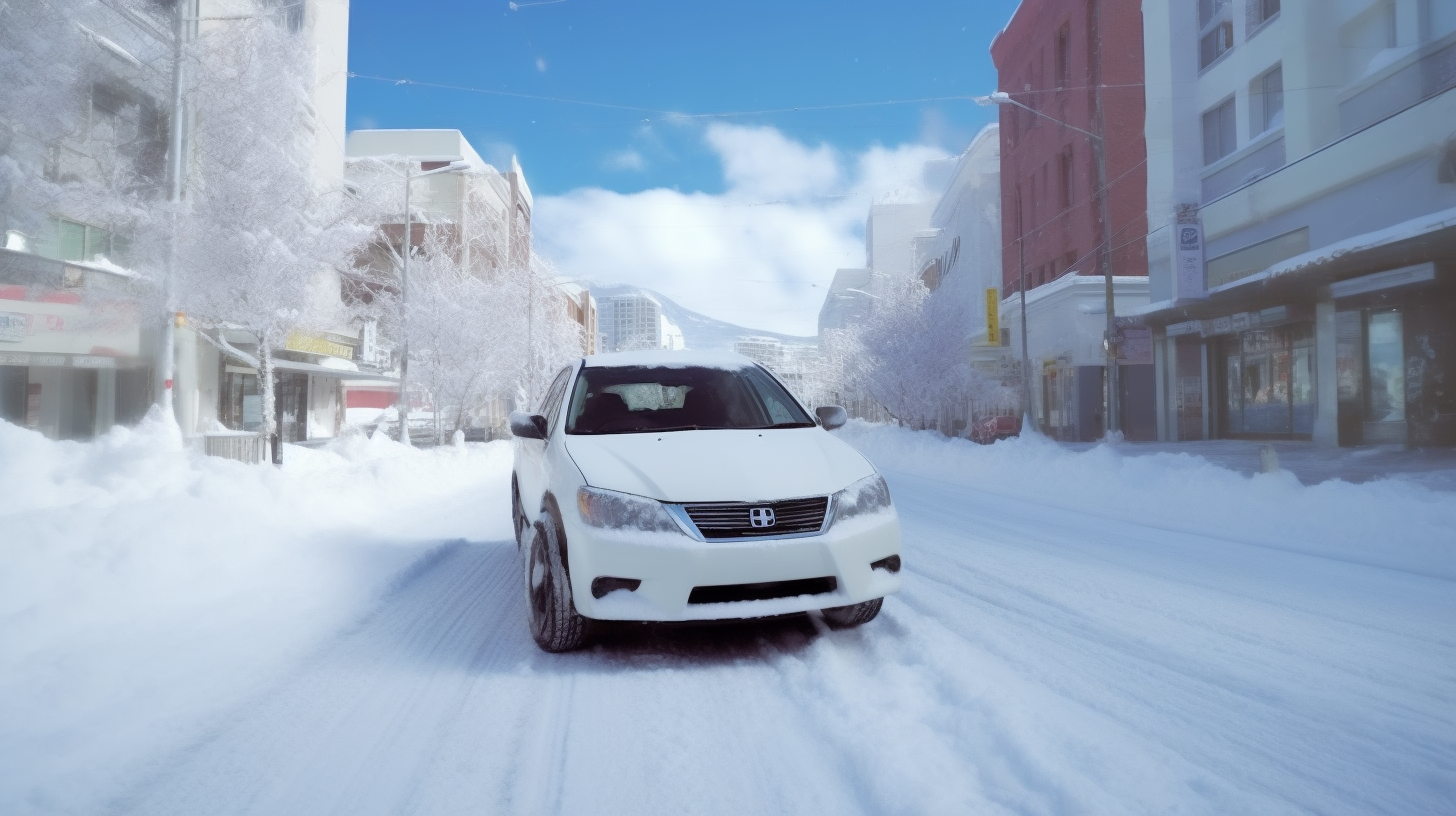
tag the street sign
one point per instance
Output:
(993, 317)
(1189, 239)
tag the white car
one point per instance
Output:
(675, 486)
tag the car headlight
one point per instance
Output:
(865, 497)
(623, 511)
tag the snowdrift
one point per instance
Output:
(1390, 523)
(144, 587)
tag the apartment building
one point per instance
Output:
(1055, 61)
(1302, 204)
(75, 358)
(958, 257)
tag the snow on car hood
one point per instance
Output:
(706, 466)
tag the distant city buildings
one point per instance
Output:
(634, 322)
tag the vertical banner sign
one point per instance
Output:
(1190, 280)
(993, 317)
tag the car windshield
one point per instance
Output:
(645, 399)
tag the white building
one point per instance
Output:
(848, 300)
(959, 256)
(766, 351)
(633, 322)
(1302, 218)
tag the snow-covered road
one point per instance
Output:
(1042, 659)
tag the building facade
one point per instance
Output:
(1058, 60)
(959, 257)
(1302, 194)
(633, 322)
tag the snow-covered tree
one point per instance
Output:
(911, 356)
(480, 327)
(257, 228)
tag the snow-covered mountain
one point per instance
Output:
(700, 332)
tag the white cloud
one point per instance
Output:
(790, 216)
(625, 160)
(540, 66)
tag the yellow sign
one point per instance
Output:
(313, 344)
(993, 317)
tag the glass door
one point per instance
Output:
(1385, 362)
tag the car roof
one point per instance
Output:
(669, 359)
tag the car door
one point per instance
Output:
(531, 453)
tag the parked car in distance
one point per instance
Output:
(676, 486)
(992, 428)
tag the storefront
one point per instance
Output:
(1395, 357)
(1378, 368)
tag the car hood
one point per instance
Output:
(715, 466)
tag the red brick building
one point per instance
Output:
(1052, 56)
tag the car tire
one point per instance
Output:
(843, 617)
(550, 612)
(518, 515)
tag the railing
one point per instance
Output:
(240, 446)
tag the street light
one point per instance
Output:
(1109, 342)
(455, 166)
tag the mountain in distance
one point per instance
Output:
(700, 332)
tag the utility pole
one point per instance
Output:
(404, 312)
(176, 169)
(1099, 153)
(1027, 421)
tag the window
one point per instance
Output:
(1064, 68)
(1439, 19)
(1215, 31)
(1212, 45)
(1266, 103)
(1066, 167)
(1219, 137)
(81, 242)
(644, 399)
(1261, 11)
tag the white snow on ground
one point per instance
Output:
(145, 588)
(1080, 632)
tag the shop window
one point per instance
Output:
(1385, 355)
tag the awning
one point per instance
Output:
(1295, 279)
(337, 373)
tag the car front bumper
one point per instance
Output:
(671, 566)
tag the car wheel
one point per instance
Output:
(554, 621)
(518, 514)
(841, 617)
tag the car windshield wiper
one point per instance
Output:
(790, 425)
(690, 428)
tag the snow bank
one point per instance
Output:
(1391, 523)
(145, 588)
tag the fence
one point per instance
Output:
(239, 446)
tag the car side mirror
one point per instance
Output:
(528, 426)
(831, 416)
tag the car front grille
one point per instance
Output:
(734, 519)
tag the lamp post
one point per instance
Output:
(455, 166)
(1099, 156)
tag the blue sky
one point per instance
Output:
(631, 176)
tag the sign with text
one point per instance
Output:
(314, 344)
(993, 317)
(1134, 343)
(1188, 257)
(12, 327)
